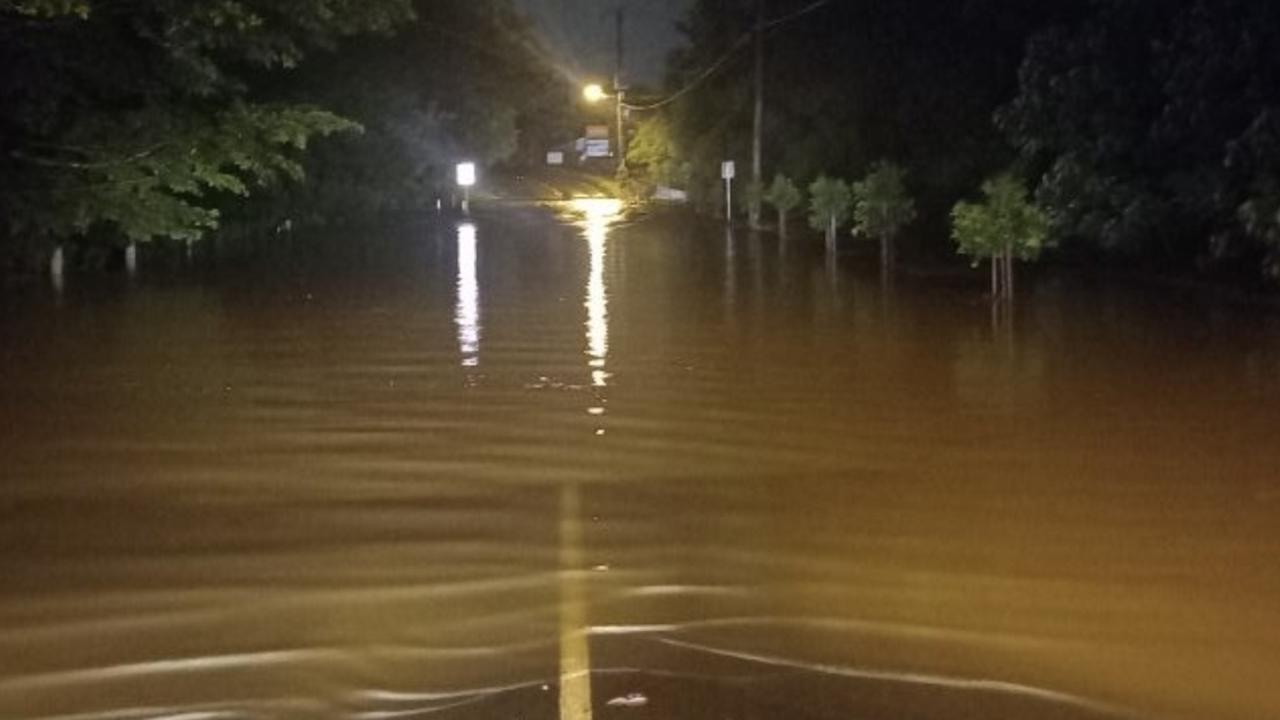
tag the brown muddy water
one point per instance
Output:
(528, 468)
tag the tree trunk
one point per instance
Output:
(131, 258)
(1008, 271)
(995, 276)
(782, 224)
(57, 263)
(831, 235)
(888, 251)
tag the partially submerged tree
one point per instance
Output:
(830, 202)
(783, 196)
(1005, 226)
(882, 207)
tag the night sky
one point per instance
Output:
(581, 34)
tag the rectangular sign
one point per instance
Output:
(597, 132)
(466, 174)
(728, 170)
(555, 158)
(598, 149)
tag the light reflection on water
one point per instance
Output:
(468, 305)
(597, 302)
(598, 215)
(817, 496)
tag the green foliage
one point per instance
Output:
(150, 188)
(1153, 128)
(783, 194)
(651, 151)
(652, 158)
(1006, 222)
(136, 118)
(830, 203)
(46, 8)
(882, 205)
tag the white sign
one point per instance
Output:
(728, 170)
(598, 149)
(466, 174)
(555, 158)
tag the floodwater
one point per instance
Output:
(528, 468)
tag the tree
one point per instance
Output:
(1151, 127)
(652, 158)
(830, 201)
(882, 207)
(135, 119)
(784, 196)
(1005, 226)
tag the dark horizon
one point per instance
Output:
(581, 34)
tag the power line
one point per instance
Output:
(719, 64)
(796, 15)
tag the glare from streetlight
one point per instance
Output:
(594, 93)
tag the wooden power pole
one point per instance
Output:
(620, 89)
(757, 138)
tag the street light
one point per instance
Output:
(594, 93)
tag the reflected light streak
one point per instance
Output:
(605, 210)
(467, 314)
(597, 304)
(598, 214)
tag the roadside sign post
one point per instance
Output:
(728, 171)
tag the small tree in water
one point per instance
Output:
(784, 196)
(829, 205)
(1005, 226)
(882, 207)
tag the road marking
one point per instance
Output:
(575, 655)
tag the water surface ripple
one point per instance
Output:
(543, 468)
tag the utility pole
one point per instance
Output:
(757, 139)
(620, 90)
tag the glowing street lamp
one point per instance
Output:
(594, 93)
(466, 179)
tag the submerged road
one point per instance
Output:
(561, 463)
